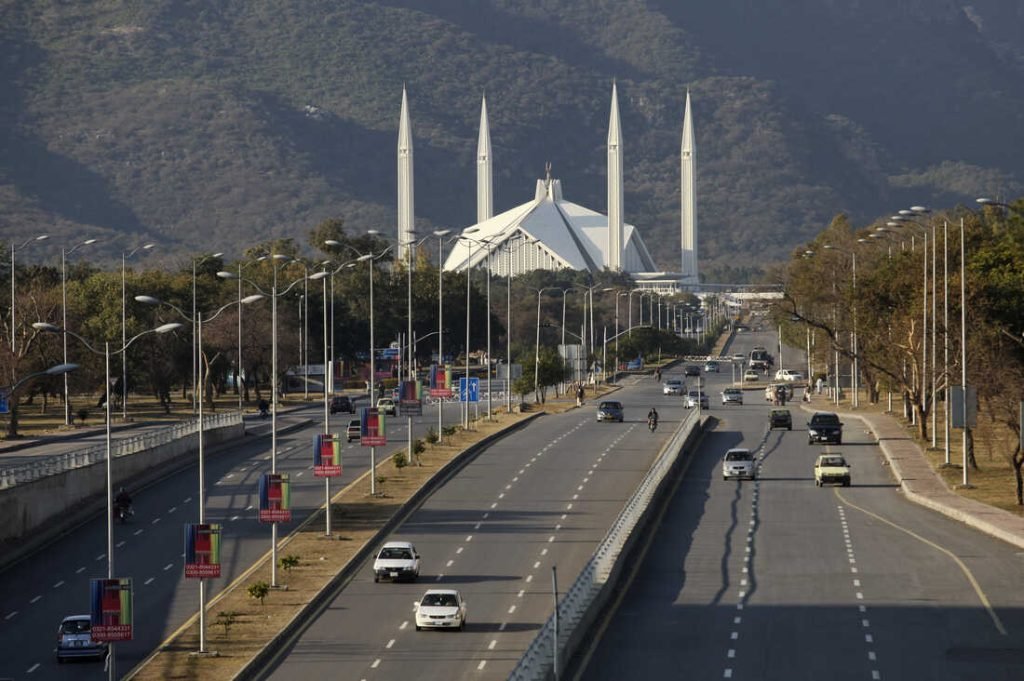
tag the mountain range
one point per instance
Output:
(214, 126)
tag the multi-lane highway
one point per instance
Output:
(779, 579)
(36, 593)
(543, 497)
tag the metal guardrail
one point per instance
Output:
(537, 662)
(59, 463)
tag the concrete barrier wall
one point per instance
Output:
(59, 500)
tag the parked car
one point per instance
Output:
(397, 560)
(825, 427)
(738, 463)
(750, 375)
(695, 396)
(354, 430)
(732, 396)
(711, 367)
(341, 403)
(831, 468)
(780, 418)
(386, 405)
(441, 609)
(609, 410)
(788, 375)
(74, 639)
(673, 386)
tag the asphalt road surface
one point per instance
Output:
(36, 593)
(543, 497)
(778, 579)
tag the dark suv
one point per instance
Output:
(780, 418)
(825, 427)
(342, 403)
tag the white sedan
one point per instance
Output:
(788, 375)
(441, 609)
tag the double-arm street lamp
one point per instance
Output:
(106, 352)
(14, 249)
(854, 378)
(198, 321)
(64, 253)
(125, 255)
(277, 260)
(536, 347)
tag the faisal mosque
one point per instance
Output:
(550, 232)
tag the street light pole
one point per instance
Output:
(41, 237)
(124, 323)
(64, 318)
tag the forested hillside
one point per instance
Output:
(215, 125)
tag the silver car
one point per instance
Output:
(673, 386)
(738, 463)
(694, 396)
(74, 639)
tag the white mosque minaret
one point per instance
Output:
(615, 193)
(406, 206)
(688, 198)
(484, 179)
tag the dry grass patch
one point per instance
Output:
(355, 518)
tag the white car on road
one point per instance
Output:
(788, 375)
(441, 609)
(397, 560)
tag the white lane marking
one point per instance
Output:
(569, 507)
(32, 668)
(458, 550)
(862, 608)
(494, 505)
(11, 614)
(35, 599)
(403, 625)
(536, 565)
(249, 507)
(376, 663)
(871, 655)
(529, 578)
(120, 544)
(390, 643)
(575, 497)
(868, 638)
(543, 552)
(482, 664)
(149, 581)
(155, 521)
(187, 499)
(860, 596)
(731, 654)
(138, 532)
(520, 594)
(80, 570)
(168, 566)
(865, 623)
(172, 509)
(727, 674)
(856, 582)
(743, 582)
(737, 620)
(235, 517)
(514, 479)
(564, 516)
(558, 527)
(299, 474)
(58, 584)
(875, 674)
(485, 515)
(449, 563)
(229, 475)
(511, 609)
(734, 635)
(579, 488)
(501, 627)
(508, 487)
(494, 642)
(469, 538)
(501, 496)
(439, 577)
(101, 556)
(477, 526)
(551, 539)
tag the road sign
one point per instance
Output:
(5, 407)
(469, 389)
(956, 406)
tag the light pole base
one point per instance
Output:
(204, 653)
(967, 486)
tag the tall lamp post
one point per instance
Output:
(854, 379)
(195, 367)
(41, 237)
(273, 295)
(200, 318)
(106, 352)
(124, 325)
(536, 347)
(64, 253)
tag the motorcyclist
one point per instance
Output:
(123, 502)
(264, 408)
(652, 418)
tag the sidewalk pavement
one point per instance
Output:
(923, 485)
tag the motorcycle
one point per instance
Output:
(122, 512)
(652, 423)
